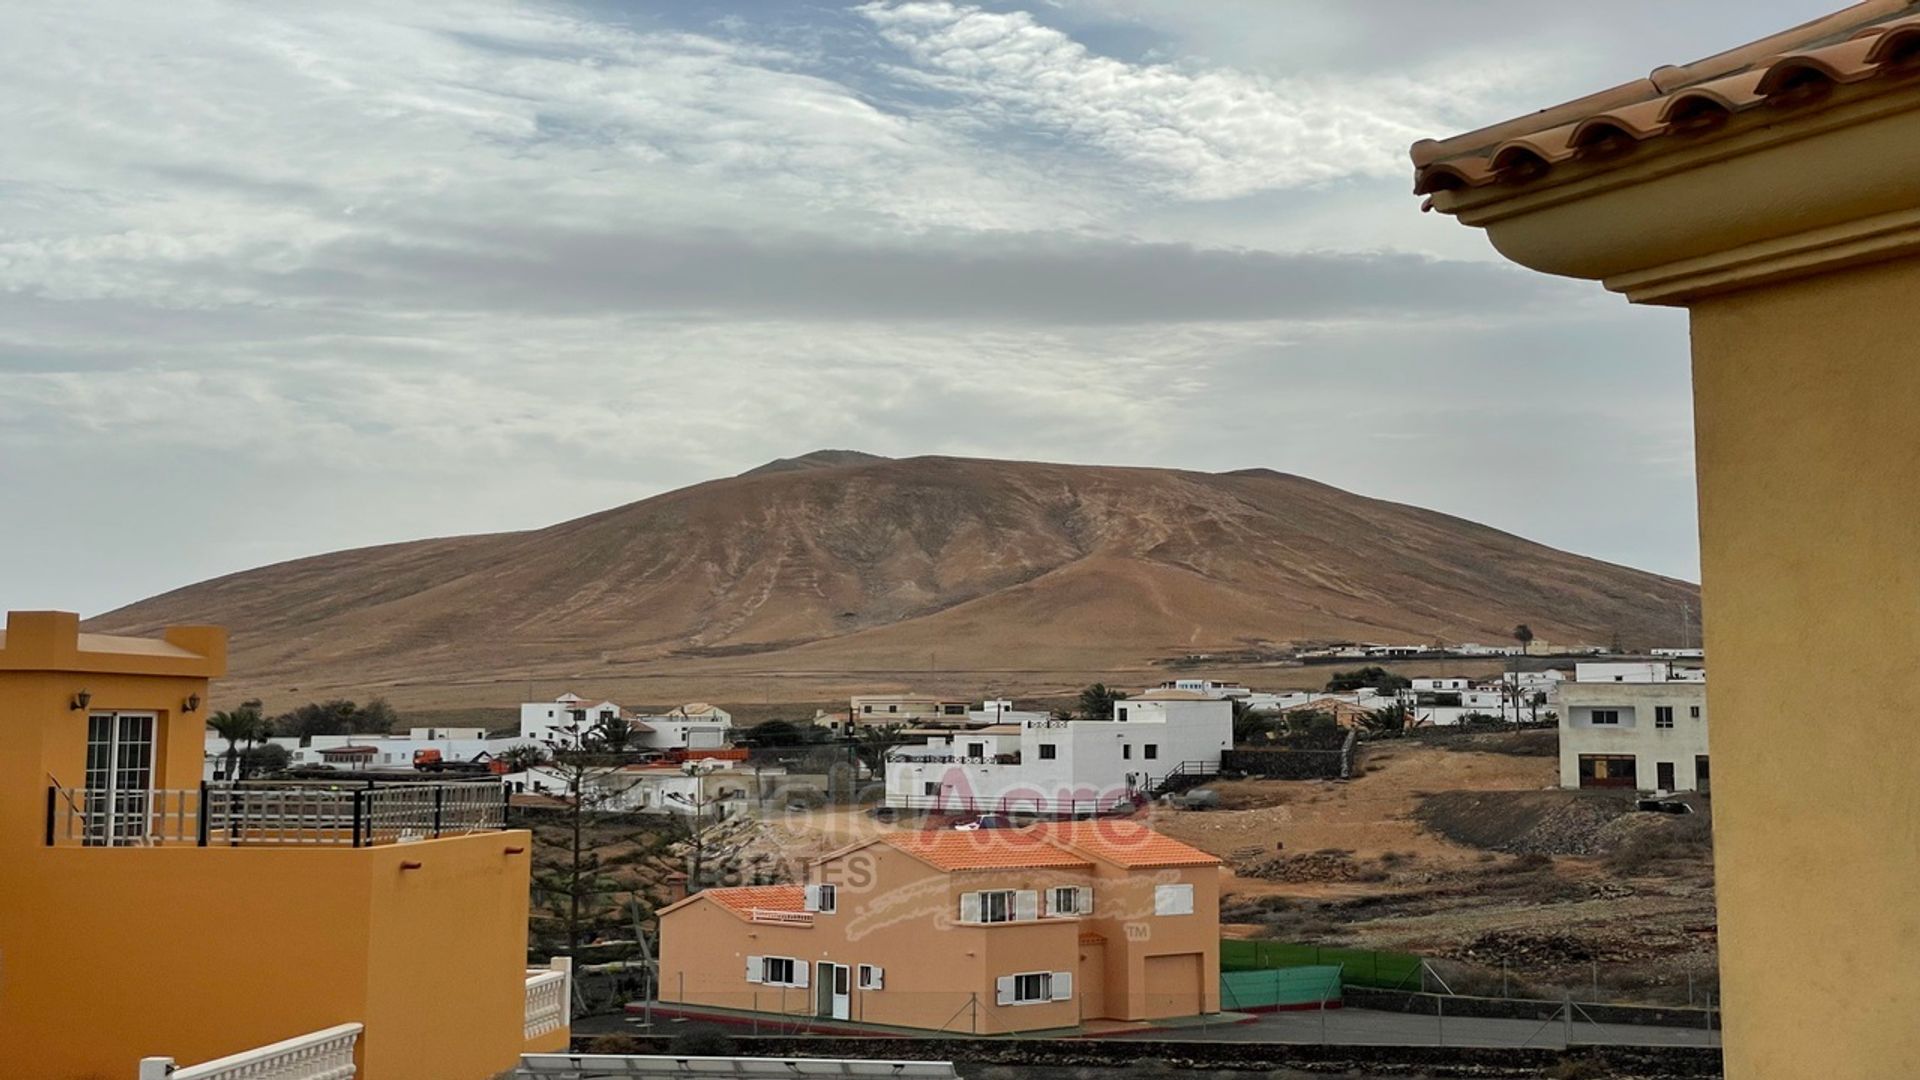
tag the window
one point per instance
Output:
(1173, 899)
(1070, 900)
(866, 708)
(1663, 716)
(999, 906)
(1604, 717)
(1126, 751)
(976, 749)
(932, 787)
(776, 970)
(1123, 712)
(1048, 751)
(996, 906)
(1034, 987)
(893, 708)
(1693, 711)
(1150, 751)
(870, 977)
(821, 898)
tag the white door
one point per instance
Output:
(119, 777)
(834, 996)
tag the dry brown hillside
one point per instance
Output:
(838, 569)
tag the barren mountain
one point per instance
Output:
(876, 570)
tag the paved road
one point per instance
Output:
(1368, 1027)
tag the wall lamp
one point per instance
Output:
(192, 703)
(80, 701)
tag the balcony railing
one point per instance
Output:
(321, 1055)
(548, 995)
(274, 814)
(776, 917)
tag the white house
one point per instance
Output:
(695, 726)
(1208, 687)
(542, 720)
(1648, 733)
(1057, 767)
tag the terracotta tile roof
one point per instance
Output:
(746, 899)
(1088, 937)
(1875, 40)
(1123, 843)
(956, 850)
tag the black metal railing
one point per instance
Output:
(275, 814)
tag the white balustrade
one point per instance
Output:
(549, 991)
(321, 1055)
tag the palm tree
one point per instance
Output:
(1524, 635)
(1096, 702)
(242, 724)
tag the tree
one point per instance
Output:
(240, 724)
(1524, 635)
(376, 717)
(1097, 702)
(870, 744)
(1248, 724)
(524, 756)
(265, 760)
(1310, 721)
(1391, 720)
(613, 735)
(785, 733)
(1372, 677)
(571, 883)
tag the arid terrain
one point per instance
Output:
(837, 573)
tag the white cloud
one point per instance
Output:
(1208, 133)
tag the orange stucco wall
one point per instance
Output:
(194, 953)
(899, 913)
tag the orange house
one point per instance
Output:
(988, 932)
(141, 913)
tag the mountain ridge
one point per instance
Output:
(844, 562)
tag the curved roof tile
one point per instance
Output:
(1870, 40)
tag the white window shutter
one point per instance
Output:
(756, 969)
(812, 902)
(1173, 899)
(1085, 905)
(1026, 904)
(878, 979)
(1062, 984)
(970, 907)
(1003, 990)
(800, 972)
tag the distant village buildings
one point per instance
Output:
(1044, 765)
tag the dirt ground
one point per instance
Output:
(1475, 859)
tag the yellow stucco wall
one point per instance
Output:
(1807, 401)
(108, 955)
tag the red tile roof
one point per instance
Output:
(1878, 40)
(983, 849)
(1123, 843)
(746, 899)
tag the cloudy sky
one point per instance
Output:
(281, 278)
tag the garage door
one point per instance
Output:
(1173, 985)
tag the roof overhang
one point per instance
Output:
(1791, 162)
